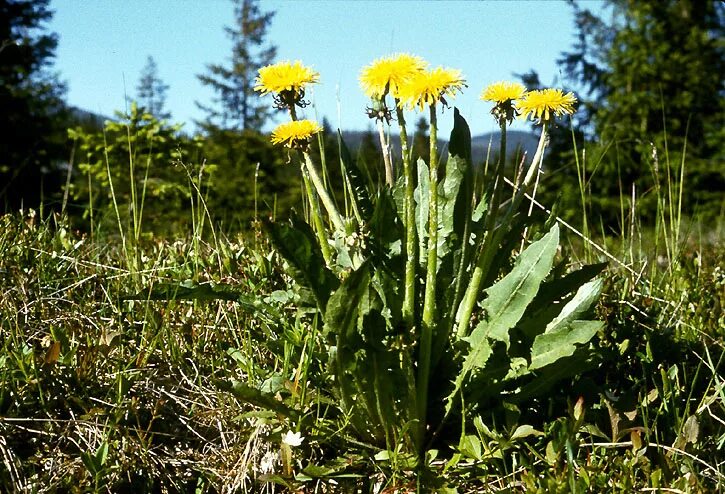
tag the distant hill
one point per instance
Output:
(89, 121)
(518, 141)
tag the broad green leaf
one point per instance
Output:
(470, 446)
(523, 431)
(189, 290)
(422, 198)
(508, 299)
(506, 302)
(255, 397)
(298, 245)
(560, 343)
(102, 454)
(457, 264)
(545, 306)
(555, 289)
(455, 192)
(342, 308)
(577, 306)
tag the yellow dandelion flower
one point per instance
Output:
(296, 133)
(430, 86)
(387, 74)
(503, 91)
(544, 104)
(285, 76)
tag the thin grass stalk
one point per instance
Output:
(90, 206)
(411, 240)
(115, 204)
(132, 181)
(429, 301)
(145, 184)
(682, 183)
(581, 182)
(68, 176)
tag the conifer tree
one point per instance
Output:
(237, 106)
(648, 75)
(32, 127)
(151, 90)
(421, 140)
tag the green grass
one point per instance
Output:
(106, 394)
(130, 362)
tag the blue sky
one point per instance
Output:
(104, 45)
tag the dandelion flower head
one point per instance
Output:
(430, 86)
(285, 76)
(544, 104)
(503, 91)
(388, 74)
(295, 134)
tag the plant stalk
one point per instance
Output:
(411, 241)
(493, 236)
(317, 217)
(429, 301)
(385, 146)
(324, 196)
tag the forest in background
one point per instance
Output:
(648, 78)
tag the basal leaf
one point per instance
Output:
(188, 290)
(298, 245)
(508, 299)
(254, 396)
(546, 306)
(422, 198)
(577, 306)
(562, 342)
(506, 302)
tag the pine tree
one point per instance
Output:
(32, 127)
(237, 105)
(151, 91)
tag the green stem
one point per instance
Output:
(317, 217)
(411, 241)
(493, 236)
(324, 196)
(389, 180)
(429, 302)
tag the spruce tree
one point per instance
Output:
(32, 127)
(421, 140)
(237, 106)
(151, 90)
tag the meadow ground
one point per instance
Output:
(100, 392)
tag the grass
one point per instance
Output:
(103, 388)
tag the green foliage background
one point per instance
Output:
(649, 78)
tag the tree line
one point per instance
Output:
(648, 75)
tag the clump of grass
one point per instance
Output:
(100, 393)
